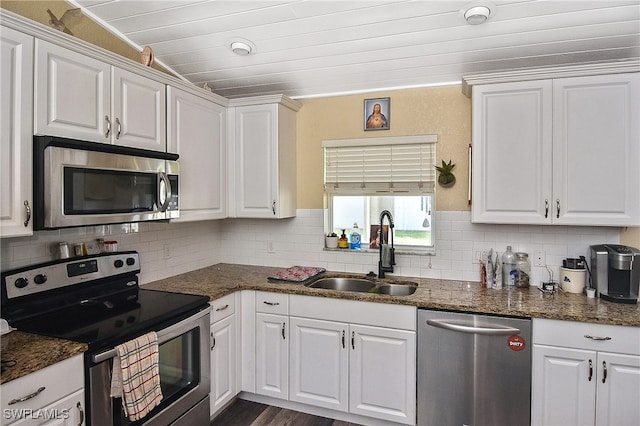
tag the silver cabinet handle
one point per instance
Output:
(588, 336)
(79, 407)
(222, 308)
(273, 207)
(28, 209)
(28, 397)
(283, 330)
(213, 341)
(492, 331)
(108, 132)
(604, 371)
(590, 370)
(119, 127)
(558, 208)
(343, 342)
(271, 303)
(353, 340)
(546, 208)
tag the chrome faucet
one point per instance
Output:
(386, 252)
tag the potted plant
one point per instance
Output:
(331, 240)
(446, 178)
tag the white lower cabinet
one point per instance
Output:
(223, 353)
(585, 374)
(51, 396)
(272, 355)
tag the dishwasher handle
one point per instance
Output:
(487, 331)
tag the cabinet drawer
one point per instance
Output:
(58, 381)
(582, 335)
(223, 307)
(272, 303)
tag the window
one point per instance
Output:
(363, 177)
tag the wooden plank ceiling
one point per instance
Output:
(309, 48)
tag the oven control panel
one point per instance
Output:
(66, 272)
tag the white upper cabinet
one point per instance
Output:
(262, 153)
(16, 138)
(197, 132)
(83, 98)
(557, 151)
(596, 150)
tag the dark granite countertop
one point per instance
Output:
(36, 352)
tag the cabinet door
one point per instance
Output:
(68, 411)
(382, 373)
(256, 161)
(512, 144)
(197, 132)
(16, 124)
(138, 111)
(319, 363)
(272, 355)
(618, 389)
(223, 363)
(564, 386)
(72, 94)
(596, 150)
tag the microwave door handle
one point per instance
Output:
(162, 177)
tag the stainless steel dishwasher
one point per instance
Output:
(473, 369)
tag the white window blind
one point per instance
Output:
(393, 164)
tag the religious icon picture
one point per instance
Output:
(376, 114)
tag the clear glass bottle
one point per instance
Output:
(523, 270)
(508, 268)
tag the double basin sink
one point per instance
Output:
(363, 285)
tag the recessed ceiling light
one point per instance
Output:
(241, 48)
(477, 15)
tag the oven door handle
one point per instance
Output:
(164, 335)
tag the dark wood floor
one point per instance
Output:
(247, 413)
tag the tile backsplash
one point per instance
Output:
(168, 249)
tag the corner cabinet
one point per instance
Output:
(16, 124)
(83, 98)
(262, 157)
(557, 151)
(197, 132)
(585, 374)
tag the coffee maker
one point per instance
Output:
(615, 272)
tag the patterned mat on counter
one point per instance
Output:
(296, 274)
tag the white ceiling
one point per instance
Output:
(306, 48)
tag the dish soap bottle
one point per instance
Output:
(355, 238)
(343, 242)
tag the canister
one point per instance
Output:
(572, 280)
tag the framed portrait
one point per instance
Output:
(377, 114)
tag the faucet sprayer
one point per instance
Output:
(387, 255)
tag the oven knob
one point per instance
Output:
(119, 323)
(118, 263)
(131, 261)
(21, 282)
(40, 279)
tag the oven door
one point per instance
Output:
(184, 378)
(81, 187)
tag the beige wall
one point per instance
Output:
(443, 111)
(83, 28)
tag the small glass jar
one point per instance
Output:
(523, 270)
(63, 250)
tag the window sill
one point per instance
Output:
(399, 250)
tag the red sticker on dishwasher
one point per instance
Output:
(516, 343)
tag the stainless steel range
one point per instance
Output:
(97, 300)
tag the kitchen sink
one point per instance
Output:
(343, 284)
(364, 286)
(396, 289)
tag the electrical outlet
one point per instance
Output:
(539, 258)
(167, 251)
(271, 248)
(479, 255)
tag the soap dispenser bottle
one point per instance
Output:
(343, 242)
(355, 238)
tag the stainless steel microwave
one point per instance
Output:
(79, 183)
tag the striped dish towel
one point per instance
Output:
(136, 376)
